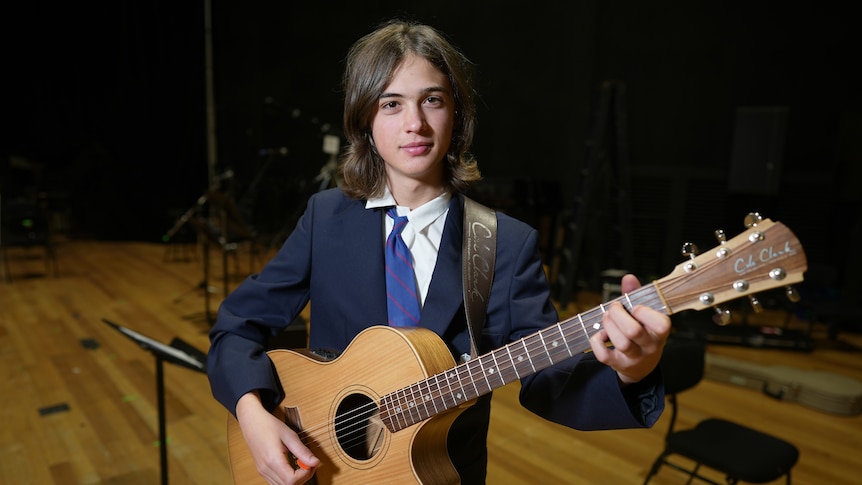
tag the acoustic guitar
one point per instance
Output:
(377, 417)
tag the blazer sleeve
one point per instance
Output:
(580, 392)
(586, 395)
(254, 312)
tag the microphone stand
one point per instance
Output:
(199, 219)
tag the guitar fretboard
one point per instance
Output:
(521, 358)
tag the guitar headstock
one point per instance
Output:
(766, 256)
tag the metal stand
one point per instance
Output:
(217, 221)
(179, 353)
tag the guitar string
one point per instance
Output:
(445, 392)
(371, 407)
(402, 405)
(439, 393)
(442, 392)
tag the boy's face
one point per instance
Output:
(412, 129)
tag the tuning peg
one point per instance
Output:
(752, 219)
(690, 250)
(755, 303)
(722, 316)
(792, 294)
(723, 251)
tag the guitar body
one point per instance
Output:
(379, 361)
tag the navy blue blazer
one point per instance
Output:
(335, 259)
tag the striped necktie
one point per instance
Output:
(401, 298)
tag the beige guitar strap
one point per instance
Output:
(479, 253)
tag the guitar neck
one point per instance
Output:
(766, 256)
(521, 358)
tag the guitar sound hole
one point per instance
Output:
(357, 428)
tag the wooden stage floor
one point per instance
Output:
(80, 399)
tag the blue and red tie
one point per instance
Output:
(402, 301)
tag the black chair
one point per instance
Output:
(25, 224)
(739, 452)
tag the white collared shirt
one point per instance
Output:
(422, 234)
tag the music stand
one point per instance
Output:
(178, 352)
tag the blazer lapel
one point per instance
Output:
(364, 227)
(445, 294)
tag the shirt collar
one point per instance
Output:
(385, 200)
(422, 216)
(425, 215)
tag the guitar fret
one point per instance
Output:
(474, 367)
(403, 409)
(424, 396)
(439, 394)
(537, 357)
(395, 413)
(488, 368)
(545, 346)
(425, 399)
(580, 319)
(484, 369)
(527, 354)
(449, 392)
(496, 369)
(556, 352)
(384, 411)
(563, 336)
(439, 400)
(400, 408)
(411, 404)
(456, 398)
(468, 385)
(422, 403)
(514, 365)
(593, 316)
(509, 368)
(445, 390)
(524, 360)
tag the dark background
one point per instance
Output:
(104, 111)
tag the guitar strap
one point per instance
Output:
(477, 268)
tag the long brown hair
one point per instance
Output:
(370, 64)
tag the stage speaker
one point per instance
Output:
(757, 154)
